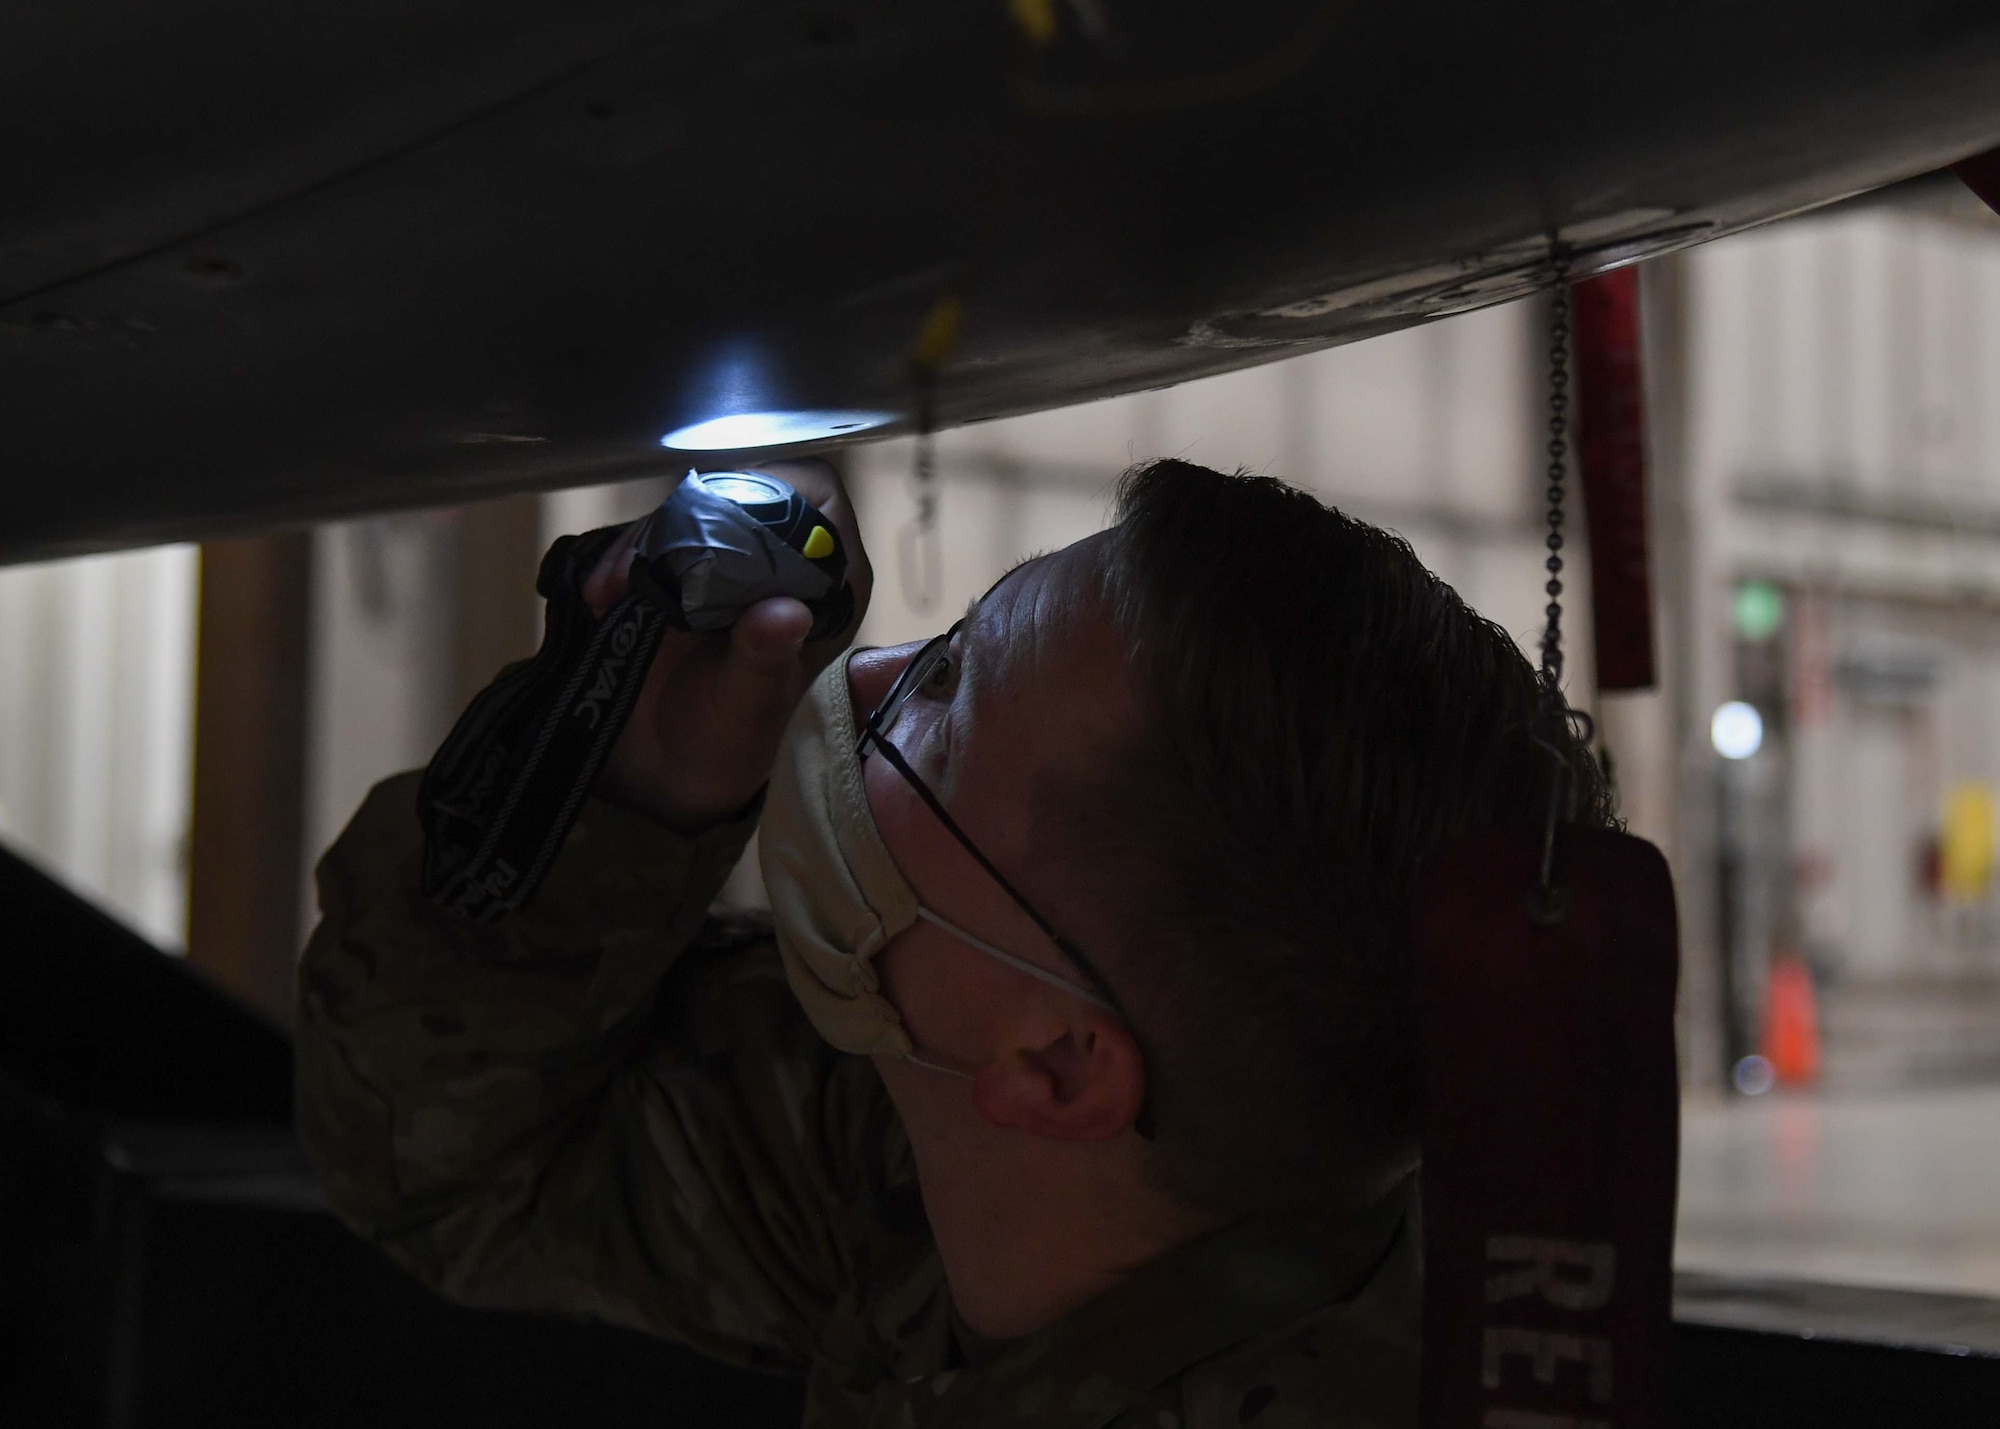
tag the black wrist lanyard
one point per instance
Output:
(505, 787)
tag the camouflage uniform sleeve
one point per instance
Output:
(566, 1110)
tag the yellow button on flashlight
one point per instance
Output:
(819, 544)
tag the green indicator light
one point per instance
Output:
(1760, 610)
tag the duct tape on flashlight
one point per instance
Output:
(726, 540)
(505, 788)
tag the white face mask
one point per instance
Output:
(837, 897)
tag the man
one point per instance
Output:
(1111, 886)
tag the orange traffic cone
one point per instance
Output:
(1791, 1023)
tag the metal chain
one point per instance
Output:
(1550, 904)
(1552, 656)
(926, 480)
(921, 557)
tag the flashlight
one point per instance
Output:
(503, 791)
(725, 540)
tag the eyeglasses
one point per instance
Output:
(929, 661)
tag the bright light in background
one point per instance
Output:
(1736, 731)
(771, 429)
(1754, 1075)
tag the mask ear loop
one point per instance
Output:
(1020, 965)
(1069, 950)
(1143, 1123)
(929, 1066)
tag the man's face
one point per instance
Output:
(1039, 682)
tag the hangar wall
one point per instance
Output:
(96, 727)
(1844, 468)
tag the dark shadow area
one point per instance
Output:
(165, 1258)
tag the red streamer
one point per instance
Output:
(1611, 447)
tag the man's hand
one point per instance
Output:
(705, 730)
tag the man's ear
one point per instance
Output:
(1086, 1082)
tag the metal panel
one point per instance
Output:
(398, 254)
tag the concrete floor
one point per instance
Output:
(1891, 1188)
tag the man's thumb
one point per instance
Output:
(760, 674)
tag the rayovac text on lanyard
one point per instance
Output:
(505, 788)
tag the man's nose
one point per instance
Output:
(870, 674)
